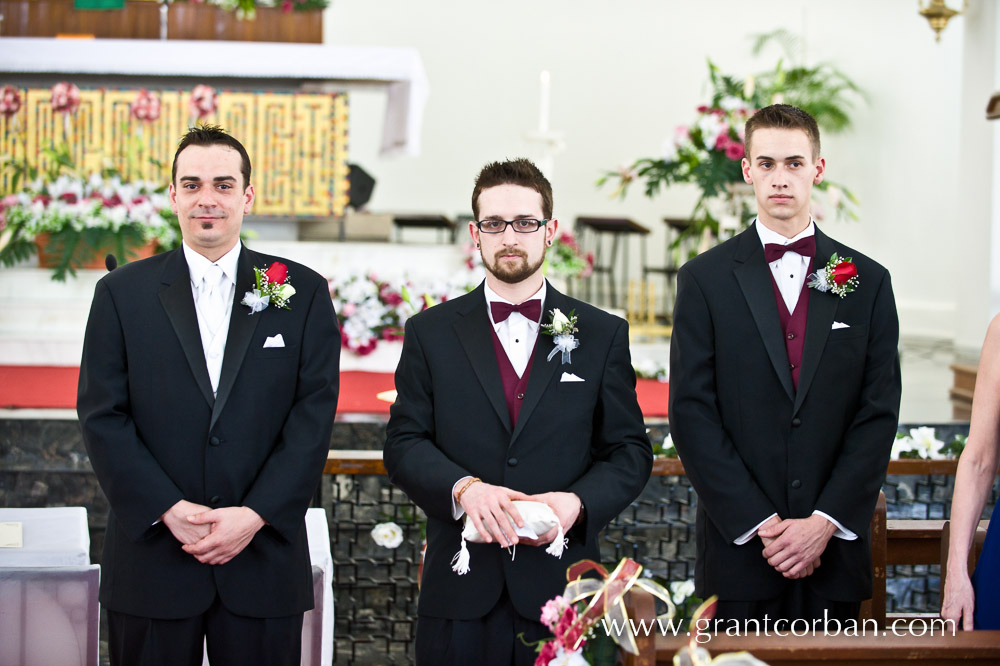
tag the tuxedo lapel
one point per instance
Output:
(473, 329)
(822, 309)
(178, 302)
(754, 278)
(541, 368)
(241, 329)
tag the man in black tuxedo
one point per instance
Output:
(487, 414)
(208, 424)
(783, 398)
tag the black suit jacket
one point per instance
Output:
(751, 444)
(450, 420)
(155, 435)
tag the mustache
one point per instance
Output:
(509, 251)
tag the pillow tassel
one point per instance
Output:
(460, 563)
(559, 544)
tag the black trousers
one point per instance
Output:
(492, 640)
(797, 602)
(233, 640)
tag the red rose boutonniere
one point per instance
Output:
(272, 287)
(839, 276)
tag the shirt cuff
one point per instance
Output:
(752, 533)
(456, 509)
(842, 532)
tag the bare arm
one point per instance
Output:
(977, 469)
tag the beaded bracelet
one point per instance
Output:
(458, 495)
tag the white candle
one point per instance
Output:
(543, 108)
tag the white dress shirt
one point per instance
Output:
(789, 274)
(791, 269)
(213, 342)
(517, 335)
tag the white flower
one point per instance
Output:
(559, 320)
(901, 445)
(286, 291)
(680, 590)
(668, 443)
(925, 441)
(564, 658)
(731, 104)
(387, 535)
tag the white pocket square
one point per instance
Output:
(274, 341)
(839, 324)
(570, 377)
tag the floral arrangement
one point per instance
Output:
(271, 286)
(708, 152)
(586, 602)
(566, 258)
(839, 276)
(922, 444)
(650, 368)
(371, 310)
(665, 449)
(78, 218)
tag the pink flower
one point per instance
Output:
(65, 97)
(722, 141)
(348, 309)
(43, 198)
(146, 106)
(552, 611)
(10, 101)
(588, 270)
(703, 109)
(204, 101)
(734, 151)
(68, 197)
(286, 6)
(389, 297)
(112, 201)
(547, 654)
(366, 348)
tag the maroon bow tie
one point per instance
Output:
(532, 310)
(804, 246)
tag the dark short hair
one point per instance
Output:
(212, 135)
(513, 172)
(782, 116)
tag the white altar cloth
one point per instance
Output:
(401, 70)
(52, 537)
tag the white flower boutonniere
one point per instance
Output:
(839, 276)
(562, 328)
(272, 287)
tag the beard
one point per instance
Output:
(512, 274)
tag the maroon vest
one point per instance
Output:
(513, 386)
(793, 325)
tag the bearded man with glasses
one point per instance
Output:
(491, 409)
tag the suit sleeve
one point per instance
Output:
(724, 485)
(412, 459)
(287, 481)
(623, 458)
(851, 492)
(137, 488)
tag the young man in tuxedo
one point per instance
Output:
(487, 414)
(783, 398)
(208, 424)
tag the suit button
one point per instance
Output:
(791, 366)
(520, 396)
(215, 499)
(214, 441)
(790, 336)
(512, 462)
(796, 422)
(796, 484)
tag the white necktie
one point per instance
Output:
(213, 295)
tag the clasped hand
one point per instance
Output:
(491, 510)
(212, 536)
(793, 546)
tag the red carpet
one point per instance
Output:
(32, 386)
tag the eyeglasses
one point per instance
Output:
(525, 226)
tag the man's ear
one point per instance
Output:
(746, 171)
(249, 195)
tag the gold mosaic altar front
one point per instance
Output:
(296, 141)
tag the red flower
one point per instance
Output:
(734, 151)
(68, 197)
(65, 97)
(10, 101)
(286, 6)
(843, 272)
(43, 198)
(547, 654)
(277, 273)
(112, 201)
